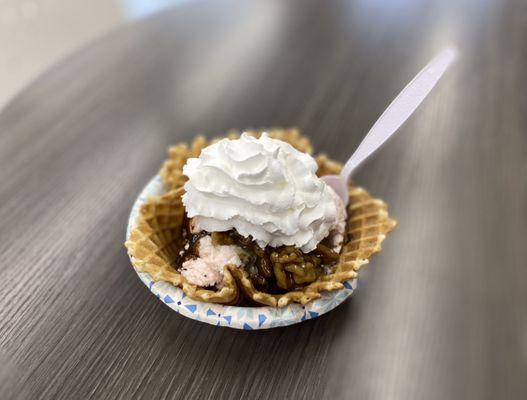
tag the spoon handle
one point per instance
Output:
(400, 109)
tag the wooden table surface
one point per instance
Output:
(441, 313)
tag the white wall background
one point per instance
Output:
(34, 34)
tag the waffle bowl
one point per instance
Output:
(153, 242)
(154, 247)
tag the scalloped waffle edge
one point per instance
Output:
(153, 243)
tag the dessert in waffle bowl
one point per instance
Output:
(246, 221)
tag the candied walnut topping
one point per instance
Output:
(271, 270)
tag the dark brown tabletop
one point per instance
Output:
(441, 313)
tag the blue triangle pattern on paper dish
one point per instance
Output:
(191, 307)
(313, 314)
(247, 327)
(227, 318)
(303, 317)
(210, 312)
(150, 285)
(261, 319)
(168, 299)
(288, 313)
(347, 285)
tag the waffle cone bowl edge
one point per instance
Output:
(155, 241)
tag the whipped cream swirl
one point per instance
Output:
(260, 187)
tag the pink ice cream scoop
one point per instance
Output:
(207, 270)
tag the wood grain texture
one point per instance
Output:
(441, 313)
